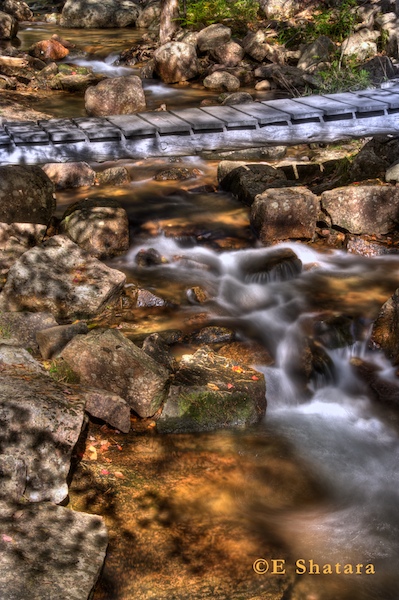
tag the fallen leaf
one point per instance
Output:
(229, 386)
(6, 538)
(104, 472)
(212, 386)
(255, 378)
(91, 453)
(237, 369)
(119, 474)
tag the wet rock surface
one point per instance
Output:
(26, 195)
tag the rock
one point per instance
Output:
(12, 355)
(335, 331)
(246, 181)
(360, 209)
(92, 14)
(361, 44)
(374, 158)
(23, 326)
(229, 54)
(8, 26)
(155, 346)
(52, 340)
(212, 335)
(148, 258)
(260, 266)
(48, 50)
(174, 174)
(389, 24)
(149, 16)
(247, 154)
(18, 9)
(380, 387)
(392, 174)
(146, 299)
(365, 247)
(116, 96)
(40, 427)
(108, 407)
(106, 359)
(98, 225)
(385, 332)
(221, 80)
(52, 551)
(282, 214)
(21, 236)
(279, 8)
(237, 98)
(316, 53)
(265, 85)
(70, 175)
(286, 77)
(255, 45)
(214, 36)
(26, 195)
(246, 353)
(114, 176)
(59, 277)
(211, 392)
(175, 62)
(380, 68)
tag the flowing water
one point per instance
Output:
(319, 478)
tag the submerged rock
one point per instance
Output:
(246, 181)
(106, 359)
(59, 277)
(210, 392)
(70, 175)
(49, 551)
(40, 425)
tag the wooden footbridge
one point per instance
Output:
(189, 131)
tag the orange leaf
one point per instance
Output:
(255, 378)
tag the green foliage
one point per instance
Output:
(335, 23)
(61, 372)
(345, 77)
(207, 12)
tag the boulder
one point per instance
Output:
(21, 236)
(385, 333)
(26, 195)
(18, 9)
(149, 16)
(52, 340)
(286, 77)
(389, 23)
(285, 214)
(210, 392)
(48, 50)
(11, 354)
(176, 61)
(280, 8)
(380, 387)
(106, 359)
(70, 175)
(365, 247)
(237, 98)
(8, 26)
(116, 96)
(59, 277)
(114, 176)
(260, 266)
(361, 44)
(213, 36)
(379, 68)
(98, 225)
(372, 209)
(222, 80)
(100, 14)
(155, 346)
(23, 327)
(228, 55)
(316, 54)
(49, 551)
(108, 407)
(246, 181)
(256, 47)
(40, 426)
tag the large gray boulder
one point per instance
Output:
(116, 96)
(285, 214)
(98, 225)
(222, 80)
(49, 552)
(210, 392)
(40, 425)
(176, 61)
(229, 55)
(316, 54)
(61, 278)
(99, 13)
(8, 26)
(360, 209)
(106, 359)
(26, 195)
(213, 36)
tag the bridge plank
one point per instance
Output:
(390, 98)
(132, 125)
(198, 119)
(294, 109)
(166, 122)
(329, 106)
(262, 113)
(362, 103)
(232, 118)
(26, 133)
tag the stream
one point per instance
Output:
(318, 479)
